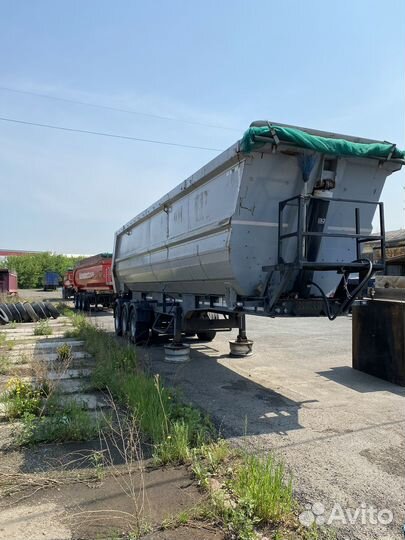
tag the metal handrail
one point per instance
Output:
(302, 228)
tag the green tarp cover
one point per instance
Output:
(325, 145)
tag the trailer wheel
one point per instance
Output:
(138, 330)
(207, 335)
(132, 326)
(86, 303)
(125, 320)
(117, 320)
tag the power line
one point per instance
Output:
(104, 134)
(117, 109)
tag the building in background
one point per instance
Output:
(395, 252)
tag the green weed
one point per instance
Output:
(263, 483)
(68, 423)
(97, 460)
(64, 353)
(43, 328)
(20, 398)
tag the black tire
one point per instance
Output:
(125, 319)
(45, 309)
(132, 325)
(86, 303)
(80, 301)
(7, 311)
(54, 313)
(142, 333)
(76, 300)
(15, 313)
(138, 331)
(117, 319)
(30, 311)
(3, 317)
(38, 310)
(206, 335)
(21, 309)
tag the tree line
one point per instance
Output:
(31, 268)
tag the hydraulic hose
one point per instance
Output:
(349, 301)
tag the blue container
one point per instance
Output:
(51, 281)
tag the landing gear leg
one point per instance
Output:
(242, 346)
(177, 351)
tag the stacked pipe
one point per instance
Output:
(27, 312)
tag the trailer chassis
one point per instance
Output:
(87, 300)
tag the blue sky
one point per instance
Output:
(338, 66)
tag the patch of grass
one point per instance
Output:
(238, 520)
(21, 398)
(263, 483)
(7, 343)
(10, 343)
(64, 353)
(209, 460)
(68, 423)
(5, 364)
(24, 358)
(176, 447)
(43, 328)
(246, 493)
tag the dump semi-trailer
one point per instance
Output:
(92, 282)
(273, 226)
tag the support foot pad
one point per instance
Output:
(241, 348)
(177, 353)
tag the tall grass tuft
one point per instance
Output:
(263, 483)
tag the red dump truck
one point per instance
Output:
(92, 282)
